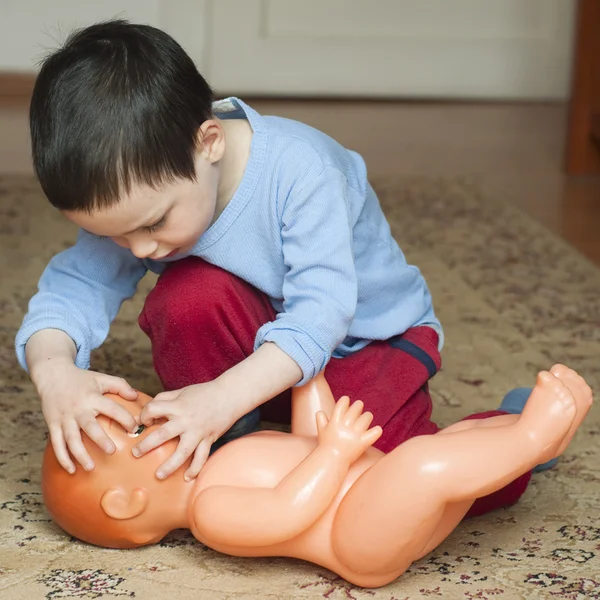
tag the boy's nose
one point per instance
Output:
(143, 248)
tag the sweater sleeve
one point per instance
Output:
(80, 292)
(320, 285)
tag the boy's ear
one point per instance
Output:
(211, 141)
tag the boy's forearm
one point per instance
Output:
(260, 377)
(47, 347)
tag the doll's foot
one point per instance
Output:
(514, 403)
(548, 415)
(582, 394)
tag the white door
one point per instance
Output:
(501, 49)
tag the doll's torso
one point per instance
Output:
(263, 459)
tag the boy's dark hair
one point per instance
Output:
(117, 104)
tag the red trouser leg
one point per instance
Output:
(202, 321)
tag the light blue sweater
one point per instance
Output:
(304, 227)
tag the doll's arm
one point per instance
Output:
(242, 516)
(307, 401)
(229, 515)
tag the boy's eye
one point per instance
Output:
(157, 225)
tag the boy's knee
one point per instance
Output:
(188, 292)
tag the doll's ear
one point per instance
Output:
(122, 504)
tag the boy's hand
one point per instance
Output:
(197, 415)
(72, 398)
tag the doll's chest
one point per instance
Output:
(262, 459)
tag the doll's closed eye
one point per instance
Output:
(137, 432)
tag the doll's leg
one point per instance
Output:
(576, 384)
(512, 492)
(583, 400)
(391, 379)
(389, 516)
(495, 420)
(509, 494)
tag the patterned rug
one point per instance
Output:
(513, 299)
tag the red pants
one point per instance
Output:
(202, 320)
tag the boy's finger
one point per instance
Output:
(200, 457)
(155, 410)
(76, 447)
(166, 396)
(184, 450)
(158, 437)
(98, 435)
(60, 450)
(117, 413)
(117, 385)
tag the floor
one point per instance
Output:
(515, 150)
(504, 319)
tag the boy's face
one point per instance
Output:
(162, 222)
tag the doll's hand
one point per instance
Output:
(348, 430)
(197, 415)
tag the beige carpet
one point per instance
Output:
(513, 299)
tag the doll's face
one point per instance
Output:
(120, 503)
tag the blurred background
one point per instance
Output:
(459, 49)
(503, 90)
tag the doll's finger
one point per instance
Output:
(117, 413)
(200, 457)
(59, 445)
(322, 421)
(163, 434)
(97, 434)
(371, 436)
(117, 385)
(353, 412)
(73, 438)
(363, 422)
(184, 450)
(341, 406)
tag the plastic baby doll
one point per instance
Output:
(321, 493)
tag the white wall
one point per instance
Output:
(495, 49)
(461, 49)
(30, 28)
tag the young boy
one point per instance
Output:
(276, 259)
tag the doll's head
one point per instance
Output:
(121, 503)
